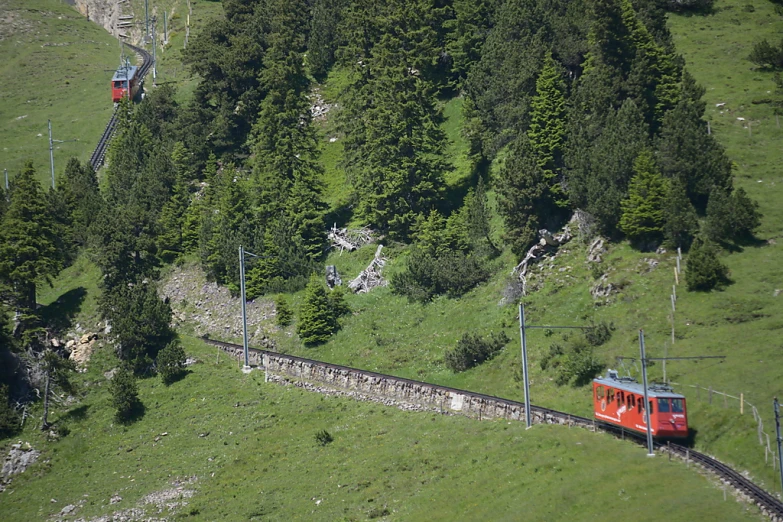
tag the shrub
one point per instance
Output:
(574, 361)
(124, 394)
(472, 350)
(451, 273)
(599, 333)
(704, 271)
(171, 362)
(764, 54)
(323, 437)
(337, 302)
(284, 313)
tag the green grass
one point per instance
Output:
(251, 446)
(56, 65)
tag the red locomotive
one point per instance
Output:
(620, 401)
(126, 82)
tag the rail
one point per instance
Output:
(768, 504)
(98, 155)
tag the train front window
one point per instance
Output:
(663, 405)
(678, 406)
(118, 85)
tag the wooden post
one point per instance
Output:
(676, 277)
(709, 130)
(687, 458)
(742, 404)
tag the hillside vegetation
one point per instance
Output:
(454, 134)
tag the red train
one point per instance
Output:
(126, 82)
(620, 401)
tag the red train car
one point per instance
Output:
(620, 401)
(125, 83)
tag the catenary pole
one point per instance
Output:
(650, 452)
(780, 440)
(51, 151)
(146, 19)
(244, 308)
(6, 178)
(525, 375)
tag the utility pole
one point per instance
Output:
(51, 152)
(154, 60)
(6, 178)
(165, 28)
(146, 19)
(650, 449)
(242, 252)
(780, 440)
(525, 376)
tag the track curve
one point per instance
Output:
(98, 155)
(768, 504)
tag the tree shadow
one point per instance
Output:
(177, 377)
(136, 413)
(58, 316)
(77, 414)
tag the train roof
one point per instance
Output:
(124, 73)
(629, 384)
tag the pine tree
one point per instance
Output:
(479, 216)
(466, 34)
(643, 217)
(283, 311)
(124, 394)
(323, 40)
(548, 126)
(703, 270)
(82, 198)
(522, 193)
(685, 151)
(171, 221)
(719, 224)
(28, 244)
(681, 220)
(170, 362)
(316, 319)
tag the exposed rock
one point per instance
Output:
(332, 277)
(81, 351)
(115, 499)
(603, 288)
(19, 458)
(211, 309)
(110, 374)
(596, 250)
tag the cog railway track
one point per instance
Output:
(769, 505)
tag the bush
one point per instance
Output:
(690, 5)
(171, 362)
(323, 437)
(451, 273)
(599, 333)
(574, 361)
(284, 313)
(764, 54)
(124, 394)
(704, 271)
(472, 350)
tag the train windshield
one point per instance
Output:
(678, 406)
(119, 85)
(663, 405)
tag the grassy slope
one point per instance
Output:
(260, 461)
(56, 65)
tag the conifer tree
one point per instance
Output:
(124, 394)
(548, 126)
(478, 219)
(522, 193)
(82, 198)
(316, 320)
(283, 312)
(56, 374)
(323, 41)
(681, 220)
(28, 245)
(685, 151)
(643, 218)
(703, 270)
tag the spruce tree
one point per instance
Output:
(323, 41)
(28, 244)
(643, 217)
(124, 394)
(548, 126)
(283, 313)
(522, 194)
(82, 198)
(316, 320)
(479, 216)
(170, 362)
(681, 220)
(703, 270)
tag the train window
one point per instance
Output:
(652, 410)
(118, 85)
(678, 405)
(620, 398)
(663, 405)
(610, 395)
(599, 392)
(631, 401)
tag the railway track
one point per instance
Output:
(98, 155)
(768, 504)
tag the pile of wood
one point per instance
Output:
(370, 277)
(349, 240)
